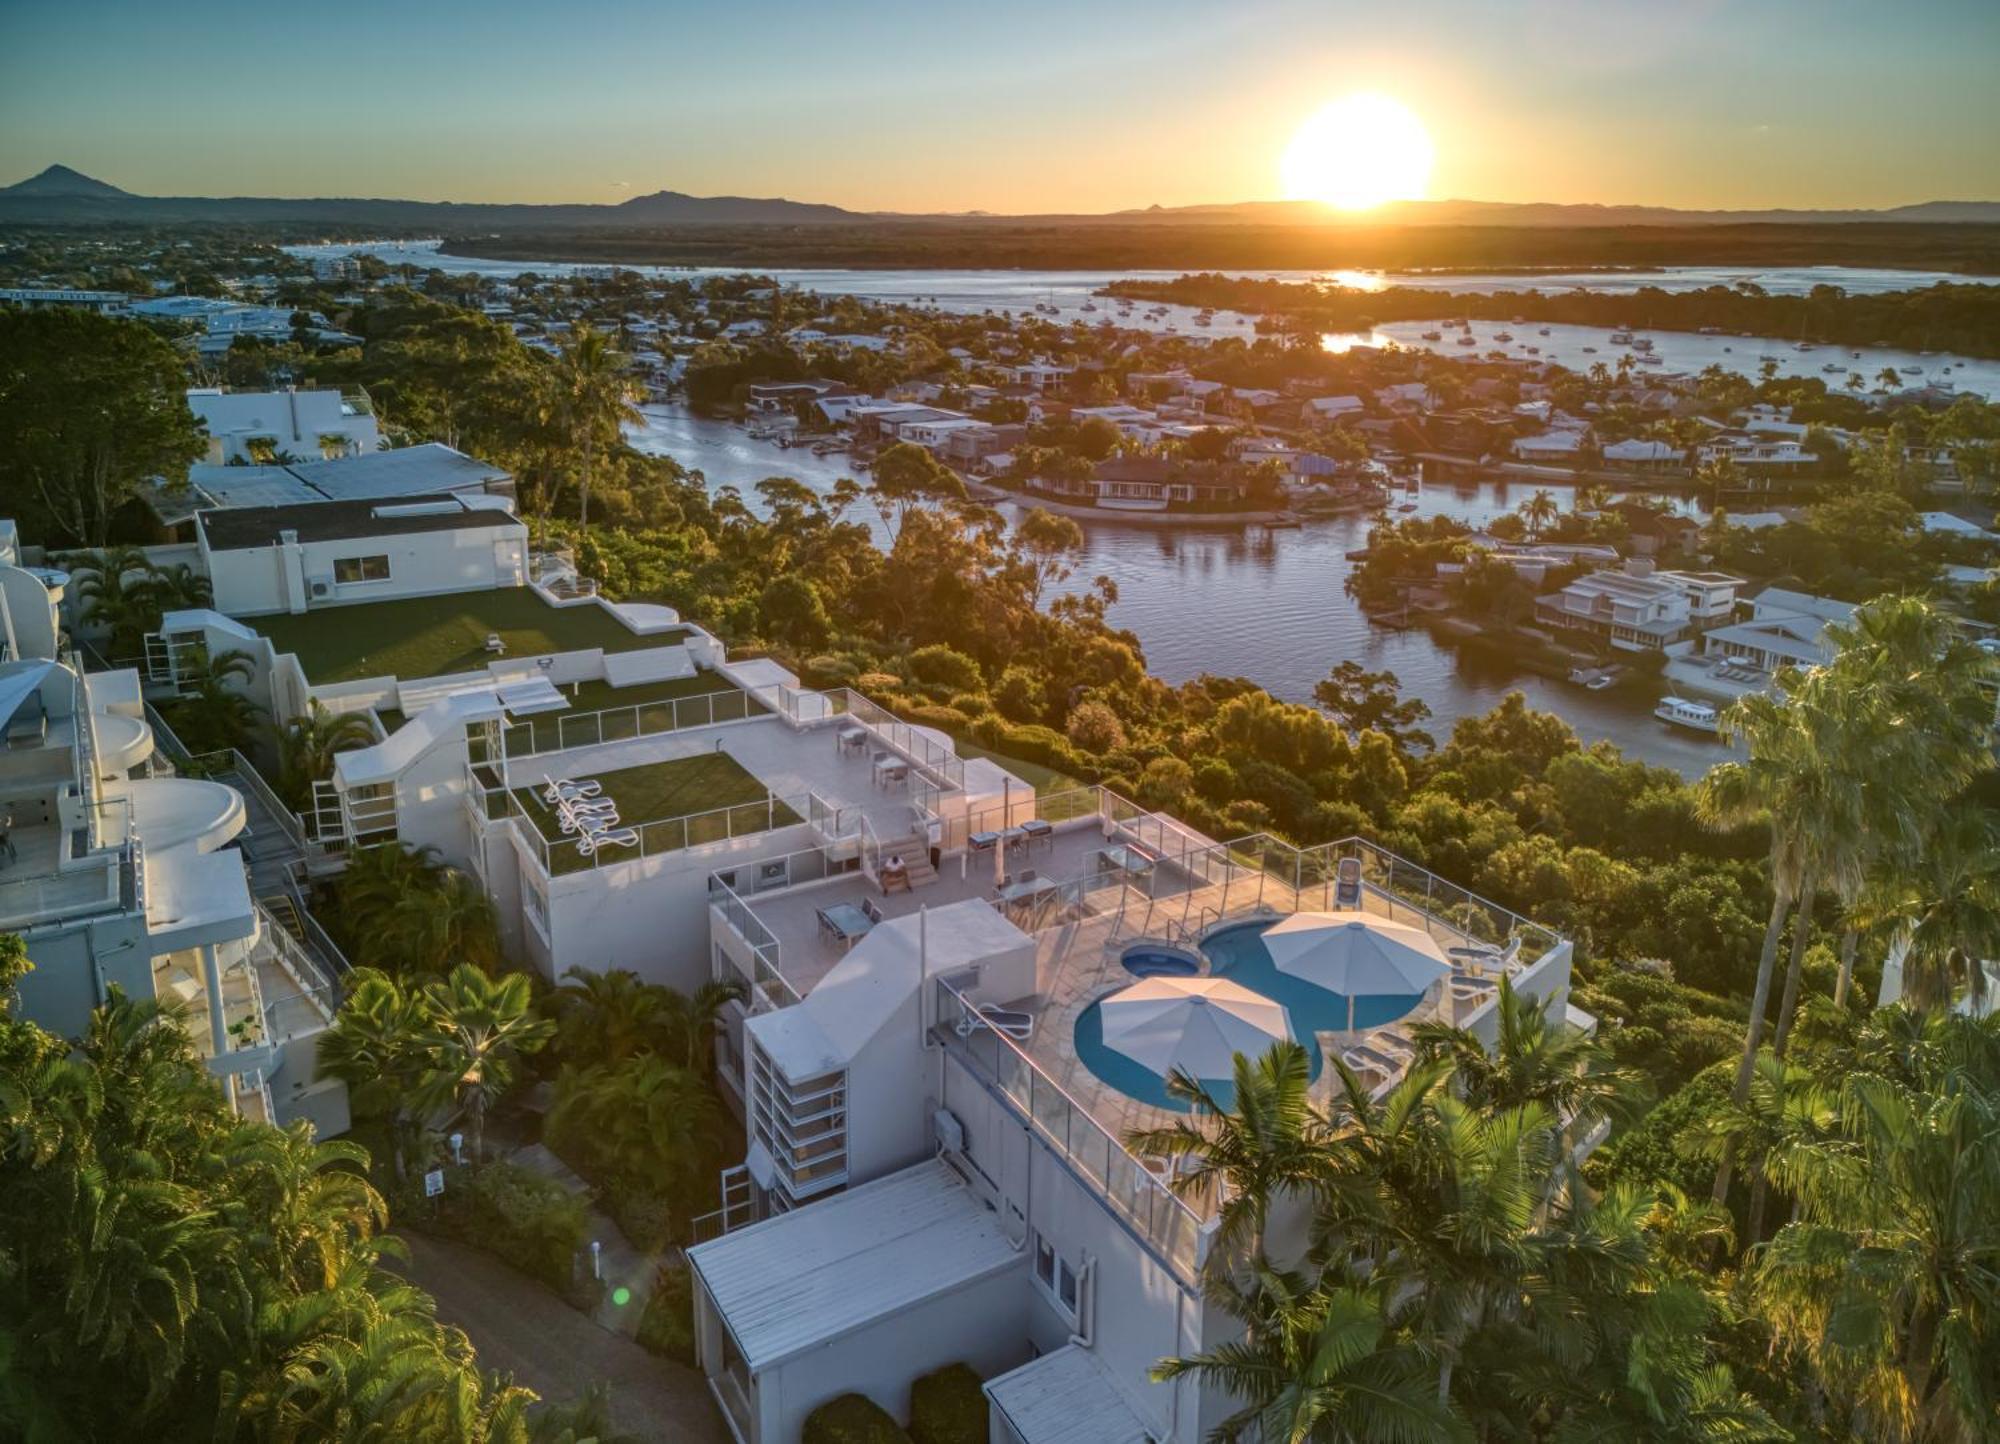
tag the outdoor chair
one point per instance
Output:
(1347, 883)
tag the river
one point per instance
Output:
(1271, 606)
(1244, 601)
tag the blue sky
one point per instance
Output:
(1023, 105)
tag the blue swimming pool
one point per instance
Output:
(1238, 954)
(1157, 960)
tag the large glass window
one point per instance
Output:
(1057, 1278)
(361, 569)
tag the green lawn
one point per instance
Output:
(659, 799)
(1043, 779)
(417, 637)
(652, 711)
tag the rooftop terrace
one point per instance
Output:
(667, 805)
(415, 637)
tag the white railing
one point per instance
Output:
(567, 731)
(1165, 1223)
(560, 855)
(242, 769)
(768, 987)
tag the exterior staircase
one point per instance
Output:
(915, 850)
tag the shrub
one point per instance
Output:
(667, 1326)
(645, 1218)
(942, 666)
(1095, 728)
(972, 704)
(530, 1221)
(852, 1419)
(947, 1407)
(1019, 695)
(827, 670)
(945, 719)
(872, 682)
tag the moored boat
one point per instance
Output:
(1695, 716)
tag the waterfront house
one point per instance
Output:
(1321, 409)
(1042, 377)
(1638, 608)
(1634, 454)
(1785, 628)
(1561, 446)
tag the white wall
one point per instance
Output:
(649, 914)
(256, 580)
(983, 1324)
(75, 966)
(1142, 1314)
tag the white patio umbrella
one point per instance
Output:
(1357, 954)
(1198, 1025)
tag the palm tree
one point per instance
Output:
(307, 745)
(376, 1046)
(1320, 1363)
(606, 1017)
(1539, 511)
(209, 714)
(593, 399)
(689, 1023)
(1788, 782)
(646, 1119)
(481, 1025)
(1944, 909)
(1885, 1283)
(1533, 1059)
(177, 588)
(1271, 1144)
(116, 598)
(1785, 1106)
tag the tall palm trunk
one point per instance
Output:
(1801, 933)
(583, 507)
(1849, 943)
(1759, 999)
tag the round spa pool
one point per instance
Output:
(1159, 960)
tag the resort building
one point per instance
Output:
(960, 994)
(123, 876)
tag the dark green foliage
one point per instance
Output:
(667, 1325)
(532, 1222)
(948, 1407)
(852, 1419)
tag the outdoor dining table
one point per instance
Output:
(851, 739)
(846, 922)
(890, 768)
(1035, 830)
(1127, 859)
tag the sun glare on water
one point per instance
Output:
(1359, 152)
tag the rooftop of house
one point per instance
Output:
(415, 637)
(408, 471)
(261, 526)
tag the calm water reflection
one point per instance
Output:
(1244, 601)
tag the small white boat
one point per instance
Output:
(1433, 336)
(1543, 332)
(1591, 350)
(1502, 336)
(1695, 716)
(1468, 340)
(1621, 338)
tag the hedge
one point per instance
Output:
(852, 1419)
(948, 1407)
(531, 1222)
(667, 1326)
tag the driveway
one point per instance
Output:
(521, 1328)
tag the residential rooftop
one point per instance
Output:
(261, 526)
(414, 637)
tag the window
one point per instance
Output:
(361, 569)
(1056, 1276)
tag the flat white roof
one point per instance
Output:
(806, 1278)
(1066, 1398)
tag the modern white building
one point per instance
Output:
(928, 949)
(266, 426)
(405, 472)
(1784, 629)
(293, 558)
(121, 875)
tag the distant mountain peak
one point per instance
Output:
(60, 180)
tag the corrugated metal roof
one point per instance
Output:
(1066, 1398)
(805, 1278)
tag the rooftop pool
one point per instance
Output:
(1236, 952)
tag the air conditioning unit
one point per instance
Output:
(320, 587)
(950, 1132)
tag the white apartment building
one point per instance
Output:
(261, 426)
(121, 875)
(1639, 609)
(934, 1101)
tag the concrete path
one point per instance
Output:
(521, 1328)
(620, 1263)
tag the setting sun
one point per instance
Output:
(1360, 151)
